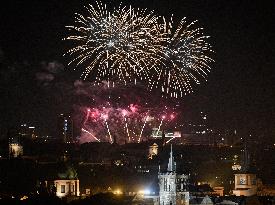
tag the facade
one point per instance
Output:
(153, 150)
(65, 183)
(67, 187)
(245, 181)
(15, 147)
(172, 186)
(218, 190)
(245, 185)
(15, 150)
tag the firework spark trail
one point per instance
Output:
(104, 116)
(107, 126)
(169, 140)
(113, 102)
(127, 130)
(130, 125)
(87, 116)
(146, 118)
(83, 130)
(160, 124)
(124, 113)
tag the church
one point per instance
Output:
(173, 189)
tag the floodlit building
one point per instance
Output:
(65, 183)
(15, 150)
(173, 186)
(153, 150)
(218, 190)
(15, 147)
(245, 180)
(67, 187)
(245, 184)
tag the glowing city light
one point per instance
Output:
(118, 192)
(144, 192)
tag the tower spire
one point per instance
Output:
(171, 163)
(245, 158)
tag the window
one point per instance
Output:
(62, 188)
(165, 184)
(243, 180)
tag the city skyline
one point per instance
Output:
(238, 94)
(130, 102)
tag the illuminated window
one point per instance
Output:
(62, 188)
(165, 184)
(243, 180)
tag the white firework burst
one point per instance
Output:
(183, 59)
(114, 44)
(129, 45)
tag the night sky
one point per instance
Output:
(239, 92)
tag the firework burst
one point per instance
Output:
(130, 45)
(113, 43)
(183, 59)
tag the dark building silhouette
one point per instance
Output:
(65, 128)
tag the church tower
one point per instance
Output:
(173, 187)
(245, 180)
